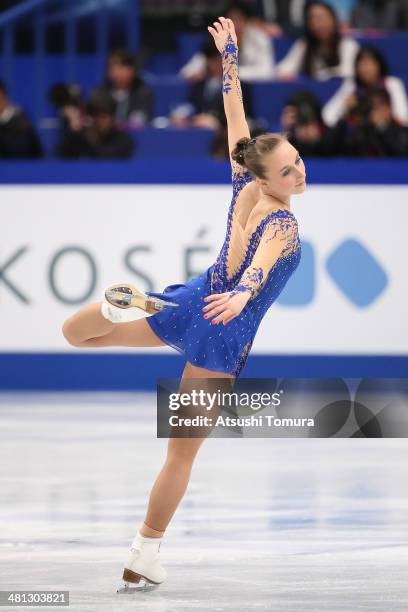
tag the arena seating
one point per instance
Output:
(29, 76)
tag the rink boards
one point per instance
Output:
(61, 245)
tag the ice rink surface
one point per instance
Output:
(266, 524)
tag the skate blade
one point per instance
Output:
(130, 296)
(129, 588)
(162, 304)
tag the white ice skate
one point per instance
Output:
(143, 570)
(124, 302)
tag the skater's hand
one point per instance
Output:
(221, 31)
(228, 307)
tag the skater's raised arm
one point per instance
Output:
(225, 39)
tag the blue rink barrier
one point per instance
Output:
(139, 372)
(205, 170)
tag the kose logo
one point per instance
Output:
(351, 267)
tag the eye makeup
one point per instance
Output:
(286, 172)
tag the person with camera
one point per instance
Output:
(302, 121)
(370, 71)
(370, 129)
(91, 131)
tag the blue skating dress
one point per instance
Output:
(258, 258)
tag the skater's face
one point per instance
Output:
(284, 171)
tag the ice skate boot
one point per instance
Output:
(143, 570)
(124, 302)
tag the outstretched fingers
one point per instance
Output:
(213, 310)
(221, 30)
(215, 306)
(218, 307)
(218, 26)
(213, 296)
(228, 25)
(225, 23)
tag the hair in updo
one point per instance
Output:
(249, 152)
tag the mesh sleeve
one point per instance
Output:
(278, 239)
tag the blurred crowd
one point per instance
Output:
(366, 116)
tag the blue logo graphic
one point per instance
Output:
(356, 272)
(352, 268)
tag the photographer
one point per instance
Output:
(94, 134)
(133, 97)
(302, 121)
(369, 128)
(370, 70)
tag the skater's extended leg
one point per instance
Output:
(171, 483)
(143, 559)
(89, 328)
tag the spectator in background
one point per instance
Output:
(18, 139)
(380, 14)
(302, 121)
(95, 135)
(370, 71)
(134, 99)
(370, 129)
(344, 9)
(289, 14)
(256, 54)
(68, 103)
(321, 52)
(205, 106)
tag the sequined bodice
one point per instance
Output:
(261, 236)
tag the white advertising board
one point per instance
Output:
(61, 245)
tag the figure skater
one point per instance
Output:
(260, 252)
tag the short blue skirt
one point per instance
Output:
(219, 347)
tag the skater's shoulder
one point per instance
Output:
(252, 190)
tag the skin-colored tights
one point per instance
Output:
(88, 328)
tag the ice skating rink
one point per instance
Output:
(266, 524)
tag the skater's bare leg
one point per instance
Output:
(172, 481)
(89, 328)
(143, 561)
